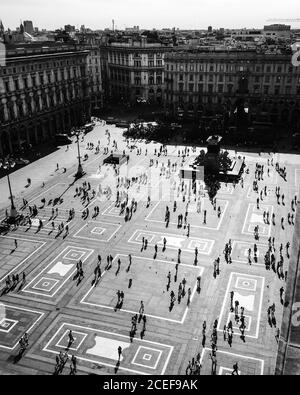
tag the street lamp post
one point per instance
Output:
(80, 171)
(8, 164)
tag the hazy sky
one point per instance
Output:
(190, 14)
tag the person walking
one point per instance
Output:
(189, 297)
(235, 371)
(119, 353)
(71, 337)
(213, 364)
(142, 308)
(73, 365)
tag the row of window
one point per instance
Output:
(221, 88)
(151, 80)
(42, 79)
(220, 77)
(151, 63)
(38, 66)
(30, 106)
(286, 68)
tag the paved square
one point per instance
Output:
(51, 300)
(14, 322)
(147, 357)
(49, 281)
(98, 231)
(254, 217)
(173, 241)
(15, 260)
(248, 291)
(61, 196)
(149, 279)
(6, 324)
(194, 218)
(240, 252)
(78, 337)
(247, 364)
(98, 346)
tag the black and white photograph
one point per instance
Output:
(149, 191)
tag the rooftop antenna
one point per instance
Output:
(113, 25)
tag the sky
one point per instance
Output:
(148, 14)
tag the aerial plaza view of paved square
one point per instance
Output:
(132, 270)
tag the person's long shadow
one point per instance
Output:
(69, 345)
(117, 367)
(12, 251)
(75, 276)
(117, 306)
(21, 286)
(58, 234)
(18, 357)
(4, 291)
(131, 335)
(270, 322)
(13, 287)
(128, 268)
(58, 199)
(79, 280)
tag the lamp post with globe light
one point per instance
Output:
(77, 133)
(8, 164)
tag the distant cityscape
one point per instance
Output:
(54, 80)
(149, 193)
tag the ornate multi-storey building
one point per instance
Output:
(267, 85)
(89, 41)
(133, 70)
(44, 90)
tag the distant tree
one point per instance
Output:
(151, 35)
(200, 160)
(224, 161)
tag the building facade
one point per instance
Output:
(43, 91)
(28, 27)
(277, 31)
(95, 79)
(133, 71)
(90, 42)
(268, 85)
